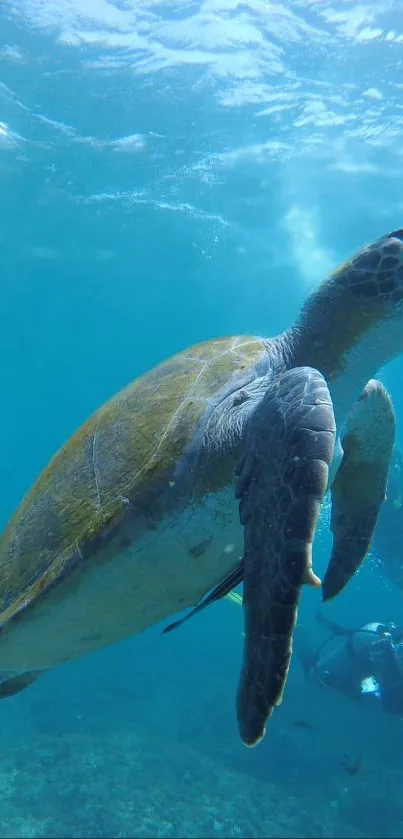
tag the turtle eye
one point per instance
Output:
(396, 234)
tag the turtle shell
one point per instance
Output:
(125, 448)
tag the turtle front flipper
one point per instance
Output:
(282, 479)
(360, 484)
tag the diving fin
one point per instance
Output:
(334, 628)
(306, 654)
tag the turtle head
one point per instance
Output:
(353, 324)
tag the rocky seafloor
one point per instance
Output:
(88, 752)
(135, 785)
(141, 740)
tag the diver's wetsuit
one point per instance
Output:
(346, 659)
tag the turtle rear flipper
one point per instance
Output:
(289, 445)
(16, 684)
(360, 484)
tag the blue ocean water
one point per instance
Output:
(172, 172)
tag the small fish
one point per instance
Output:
(353, 767)
(233, 579)
(201, 547)
(303, 724)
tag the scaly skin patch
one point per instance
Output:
(125, 449)
(348, 306)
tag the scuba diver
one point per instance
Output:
(387, 544)
(359, 662)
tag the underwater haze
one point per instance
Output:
(173, 172)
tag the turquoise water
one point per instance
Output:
(171, 173)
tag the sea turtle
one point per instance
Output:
(136, 518)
